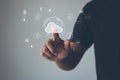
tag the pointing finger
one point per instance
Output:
(55, 36)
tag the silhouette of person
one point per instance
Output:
(98, 24)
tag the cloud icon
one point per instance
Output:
(52, 27)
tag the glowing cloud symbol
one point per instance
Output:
(53, 28)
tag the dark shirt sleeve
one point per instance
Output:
(82, 32)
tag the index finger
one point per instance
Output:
(55, 36)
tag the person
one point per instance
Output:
(98, 24)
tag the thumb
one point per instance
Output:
(55, 36)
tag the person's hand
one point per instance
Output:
(66, 54)
(56, 49)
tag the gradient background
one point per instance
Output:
(20, 62)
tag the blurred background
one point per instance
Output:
(22, 35)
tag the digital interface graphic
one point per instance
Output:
(53, 25)
(53, 28)
(70, 16)
(49, 24)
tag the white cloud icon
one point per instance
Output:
(53, 28)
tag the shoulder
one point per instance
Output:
(88, 7)
(91, 8)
